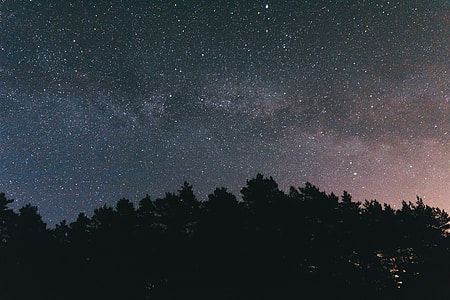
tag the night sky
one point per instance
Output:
(100, 101)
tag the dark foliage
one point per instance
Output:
(271, 245)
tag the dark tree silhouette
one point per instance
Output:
(7, 217)
(304, 244)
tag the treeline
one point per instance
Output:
(271, 245)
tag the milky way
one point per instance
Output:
(101, 101)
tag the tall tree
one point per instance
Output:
(7, 219)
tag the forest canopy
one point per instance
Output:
(272, 244)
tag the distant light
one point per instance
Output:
(267, 5)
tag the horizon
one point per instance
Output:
(204, 197)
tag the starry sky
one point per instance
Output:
(101, 100)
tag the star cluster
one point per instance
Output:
(111, 99)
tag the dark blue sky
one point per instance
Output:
(100, 101)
